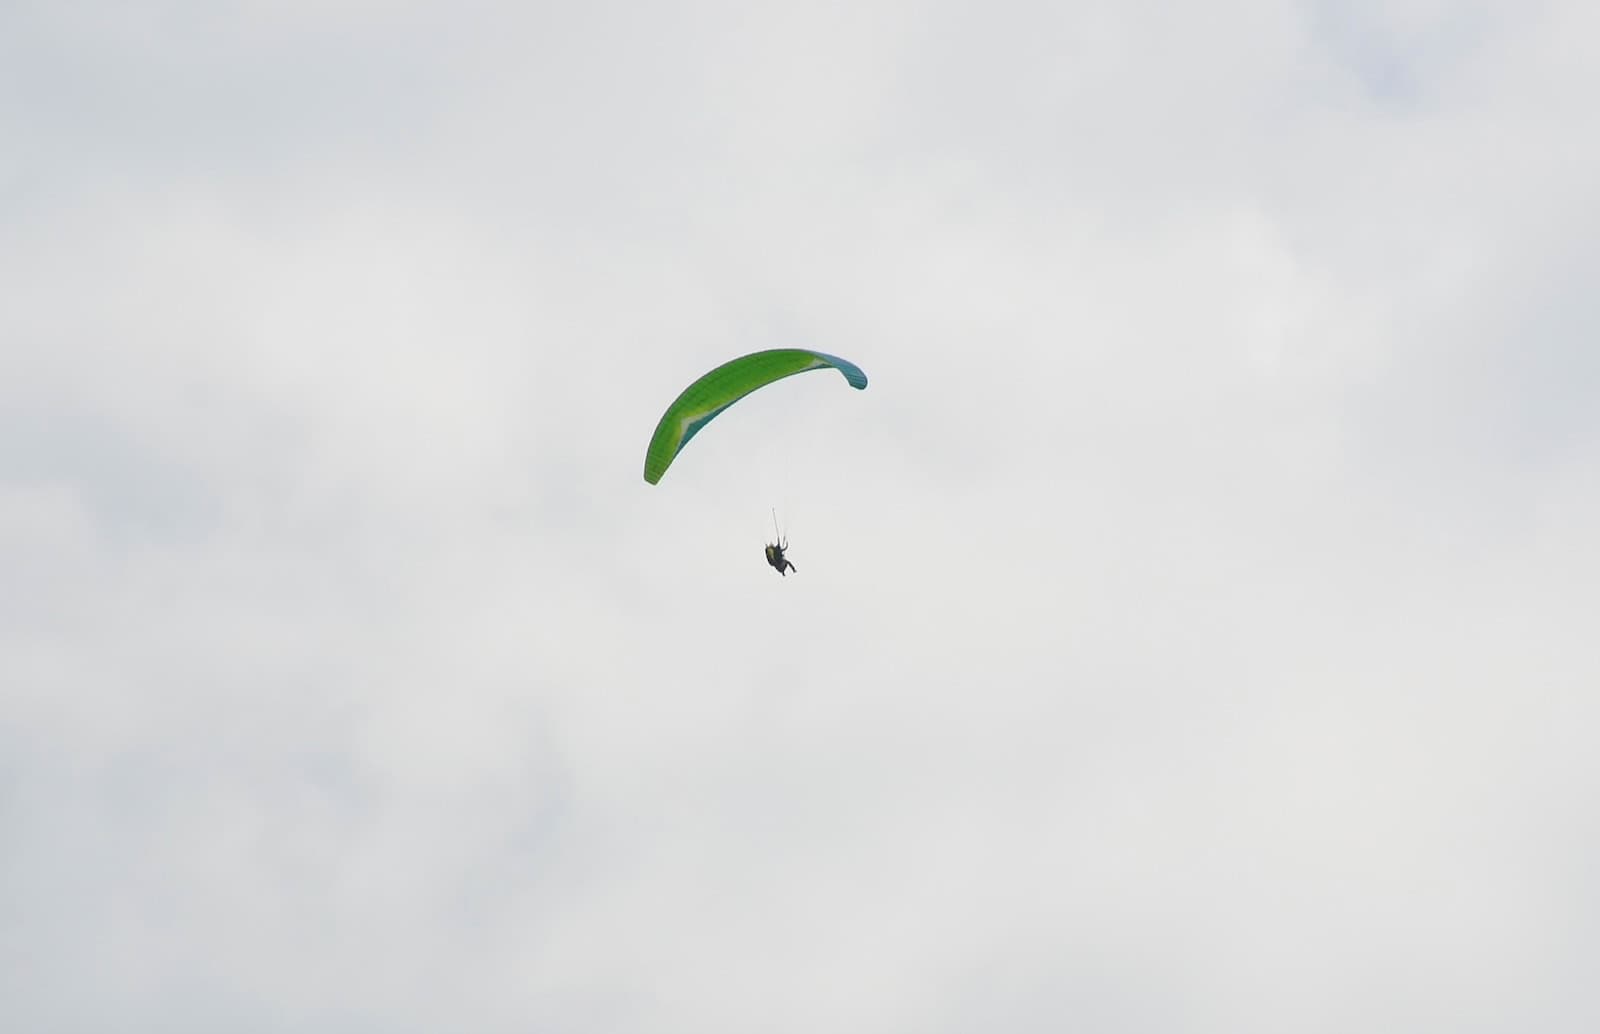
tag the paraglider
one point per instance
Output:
(775, 550)
(776, 559)
(711, 393)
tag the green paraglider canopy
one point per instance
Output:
(701, 401)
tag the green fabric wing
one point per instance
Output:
(733, 380)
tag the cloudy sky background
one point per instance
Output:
(1195, 619)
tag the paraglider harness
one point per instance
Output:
(775, 550)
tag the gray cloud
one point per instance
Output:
(1192, 623)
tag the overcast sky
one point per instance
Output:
(1195, 623)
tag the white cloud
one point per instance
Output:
(1191, 624)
